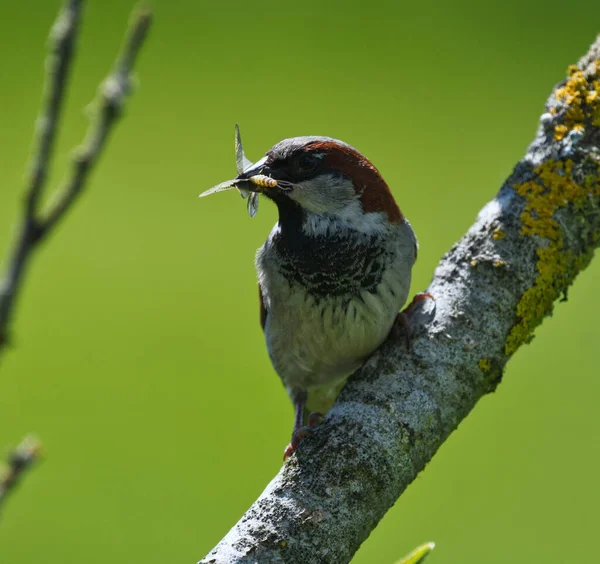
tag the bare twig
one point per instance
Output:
(62, 46)
(492, 289)
(36, 224)
(112, 95)
(62, 42)
(18, 461)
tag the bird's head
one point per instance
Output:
(320, 176)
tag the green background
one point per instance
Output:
(138, 357)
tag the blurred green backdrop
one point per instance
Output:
(138, 357)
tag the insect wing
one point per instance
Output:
(253, 204)
(241, 162)
(228, 185)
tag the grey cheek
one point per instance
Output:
(325, 193)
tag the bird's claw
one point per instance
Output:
(313, 420)
(420, 297)
(402, 323)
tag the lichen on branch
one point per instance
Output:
(556, 185)
(567, 181)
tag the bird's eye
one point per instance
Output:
(307, 162)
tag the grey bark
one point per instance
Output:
(492, 289)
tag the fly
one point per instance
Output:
(243, 164)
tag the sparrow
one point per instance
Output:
(335, 269)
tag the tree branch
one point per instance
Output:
(112, 95)
(62, 46)
(18, 461)
(492, 289)
(35, 225)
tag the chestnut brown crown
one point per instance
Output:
(325, 175)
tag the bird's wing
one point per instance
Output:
(263, 308)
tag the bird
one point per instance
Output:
(334, 271)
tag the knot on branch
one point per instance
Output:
(18, 460)
(114, 90)
(61, 33)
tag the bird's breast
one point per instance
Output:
(332, 266)
(331, 302)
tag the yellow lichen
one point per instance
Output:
(474, 263)
(485, 364)
(595, 115)
(499, 262)
(552, 188)
(498, 234)
(580, 95)
(560, 131)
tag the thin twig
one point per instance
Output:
(62, 46)
(112, 95)
(62, 42)
(35, 225)
(18, 461)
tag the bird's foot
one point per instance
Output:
(313, 420)
(401, 327)
(420, 297)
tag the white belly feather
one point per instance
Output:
(316, 343)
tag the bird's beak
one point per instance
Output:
(254, 169)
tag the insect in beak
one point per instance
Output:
(242, 164)
(250, 181)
